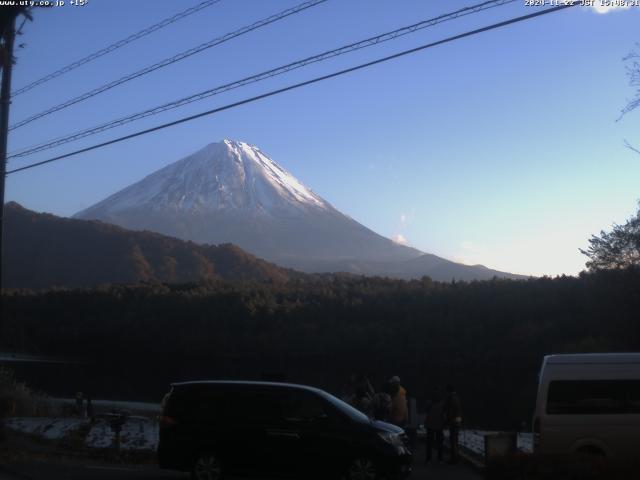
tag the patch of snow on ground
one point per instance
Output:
(139, 434)
(525, 442)
(100, 435)
(45, 427)
(473, 440)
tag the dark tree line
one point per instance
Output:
(486, 337)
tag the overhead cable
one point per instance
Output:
(297, 85)
(169, 61)
(260, 76)
(116, 45)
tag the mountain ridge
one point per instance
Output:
(42, 250)
(231, 192)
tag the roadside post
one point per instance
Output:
(500, 454)
(117, 420)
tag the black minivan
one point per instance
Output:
(215, 428)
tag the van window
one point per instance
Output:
(593, 397)
(195, 402)
(253, 405)
(207, 405)
(302, 406)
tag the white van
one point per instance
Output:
(589, 404)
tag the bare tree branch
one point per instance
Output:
(633, 73)
(631, 147)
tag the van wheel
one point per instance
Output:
(207, 467)
(361, 469)
(595, 462)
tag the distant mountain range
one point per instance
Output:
(42, 251)
(231, 192)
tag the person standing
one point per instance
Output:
(399, 407)
(90, 408)
(80, 404)
(453, 417)
(361, 400)
(380, 406)
(434, 424)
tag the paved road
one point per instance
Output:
(48, 470)
(77, 470)
(80, 470)
(43, 467)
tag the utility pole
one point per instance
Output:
(9, 33)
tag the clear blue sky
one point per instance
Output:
(501, 149)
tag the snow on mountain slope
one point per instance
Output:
(225, 176)
(232, 192)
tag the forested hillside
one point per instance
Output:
(486, 337)
(43, 251)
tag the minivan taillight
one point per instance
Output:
(166, 421)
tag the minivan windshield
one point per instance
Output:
(345, 408)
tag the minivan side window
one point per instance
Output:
(195, 403)
(300, 406)
(253, 405)
(593, 397)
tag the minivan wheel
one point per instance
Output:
(594, 463)
(207, 467)
(361, 469)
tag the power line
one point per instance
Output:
(114, 46)
(299, 85)
(261, 76)
(168, 61)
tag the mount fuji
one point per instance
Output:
(231, 192)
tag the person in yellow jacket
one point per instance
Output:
(399, 408)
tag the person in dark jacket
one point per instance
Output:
(453, 418)
(80, 404)
(361, 400)
(90, 408)
(358, 382)
(434, 424)
(381, 403)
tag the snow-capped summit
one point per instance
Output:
(227, 176)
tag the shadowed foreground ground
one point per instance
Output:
(46, 467)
